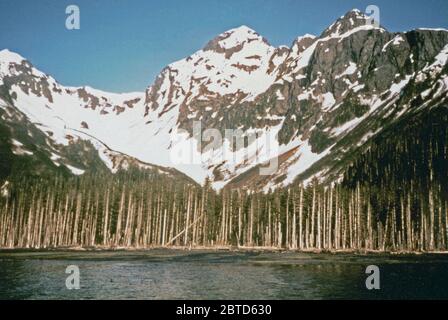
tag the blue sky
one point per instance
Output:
(122, 45)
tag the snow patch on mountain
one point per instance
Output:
(303, 159)
(351, 69)
(395, 42)
(74, 170)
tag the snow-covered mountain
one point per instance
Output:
(310, 105)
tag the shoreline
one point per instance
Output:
(216, 249)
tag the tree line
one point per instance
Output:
(103, 212)
(393, 197)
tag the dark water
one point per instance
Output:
(168, 274)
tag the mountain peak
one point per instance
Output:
(9, 56)
(233, 38)
(351, 20)
(355, 14)
(243, 29)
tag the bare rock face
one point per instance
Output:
(84, 125)
(21, 73)
(350, 21)
(324, 86)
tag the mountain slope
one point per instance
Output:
(314, 105)
(27, 149)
